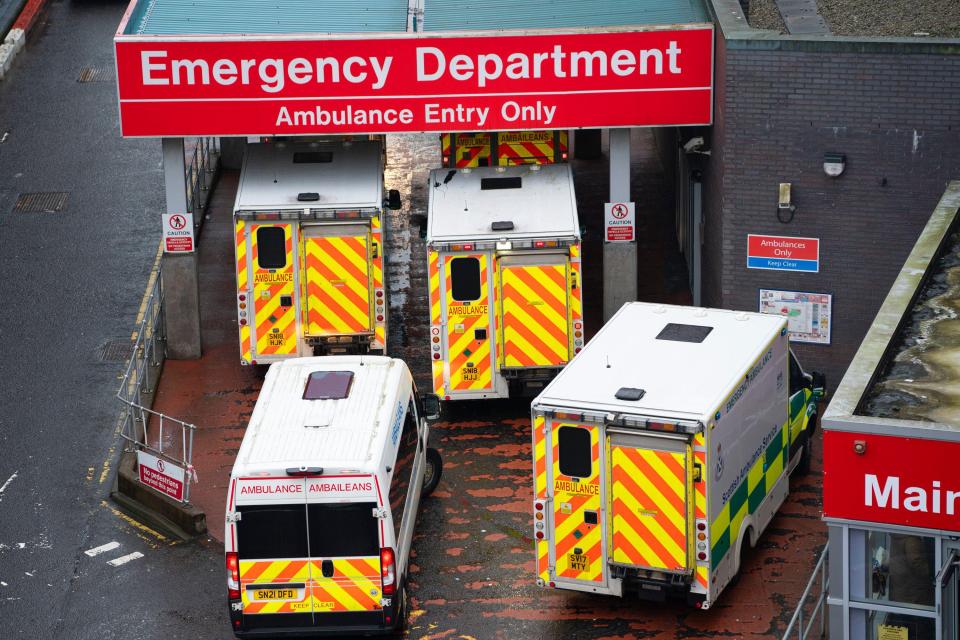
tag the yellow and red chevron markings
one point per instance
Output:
(242, 283)
(471, 150)
(376, 238)
(529, 147)
(540, 492)
(649, 508)
(570, 532)
(354, 585)
(469, 358)
(338, 287)
(433, 271)
(535, 315)
(275, 326)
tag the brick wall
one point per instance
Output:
(892, 107)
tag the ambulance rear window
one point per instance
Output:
(345, 529)
(328, 385)
(272, 531)
(271, 248)
(574, 446)
(465, 279)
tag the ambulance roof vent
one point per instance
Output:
(629, 393)
(308, 196)
(502, 225)
(684, 332)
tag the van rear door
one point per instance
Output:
(273, 548)
(576, 536)
(345, 541)
(336, 270)
(274, 323)
(469, 324)
(535, 310)
(650, 517)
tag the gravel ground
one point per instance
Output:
(899, 18)
(764, 15)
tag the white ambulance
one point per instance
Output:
(663, 451)
(323, 498)
(503, 258)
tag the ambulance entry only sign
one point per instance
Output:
(619, 222)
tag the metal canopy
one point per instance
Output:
(189, 17)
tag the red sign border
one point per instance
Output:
(766, 235)
(121, 38)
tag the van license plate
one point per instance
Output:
(275, 594)
(578, 561)
(471, 373)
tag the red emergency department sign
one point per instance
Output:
(893, 480)
(301, 85)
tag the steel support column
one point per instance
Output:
(619, 258)
(181, 290)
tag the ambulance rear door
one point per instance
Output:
(535, 310)
(273, 550)
(275, 325)
(576, 518)
(467, 280)
(650, 499)
(336, 272)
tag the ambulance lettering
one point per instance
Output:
(468, 310)
(341, 487)
(273, 278)
(579, 488)
(259, 489)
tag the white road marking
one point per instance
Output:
(7, 483)
(125, 559)
(110, 546)
(3, 584)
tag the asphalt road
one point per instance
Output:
(72, 281)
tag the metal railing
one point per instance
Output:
(161, 435)
(200, 165)
(796, 628)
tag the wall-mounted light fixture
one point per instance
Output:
(834, 163)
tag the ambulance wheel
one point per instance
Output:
(431, 472)
(402, 611)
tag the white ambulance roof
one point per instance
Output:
(543, 207)
(678, 377)
(272, 180)
(287, 431)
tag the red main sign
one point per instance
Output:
(896, 480)
(241, 85)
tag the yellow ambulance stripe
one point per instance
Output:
(649, 522)
(361, 288)
(512, 278)
(241, 249)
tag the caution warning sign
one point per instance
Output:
(177, 232)
(619, 222)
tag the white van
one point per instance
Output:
(323, 498)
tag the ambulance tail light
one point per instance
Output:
(703, 543)
(233, 576)
(388, 571)
(564, 155)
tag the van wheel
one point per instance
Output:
(401, 612)
(431, 472)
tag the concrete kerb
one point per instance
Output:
(16, 38)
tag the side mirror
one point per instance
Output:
(819, 383)
(431, 406)
(393, 200)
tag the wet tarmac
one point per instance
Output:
(472, 575)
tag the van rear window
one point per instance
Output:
(345, 529)
(272, 531)
(574, 454)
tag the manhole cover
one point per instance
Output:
(93, 74)
(41, 202)
(118, 350)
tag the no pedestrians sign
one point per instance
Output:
(177, 232)
(620, 222)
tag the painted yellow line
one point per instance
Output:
(154, 274)
(137, 525)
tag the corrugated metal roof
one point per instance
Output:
(184, 17)
(175, 17)
(456, 15)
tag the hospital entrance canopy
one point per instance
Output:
(310, 67)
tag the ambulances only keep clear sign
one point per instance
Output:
(178, 233)
(619, 222)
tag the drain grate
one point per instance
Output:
(93, 74)
(41, 202)
(118, 350)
